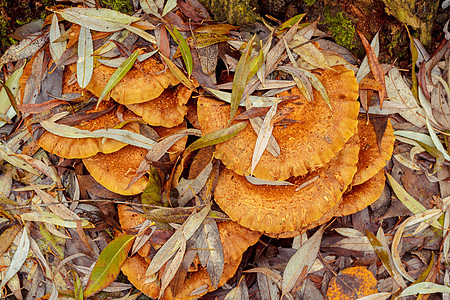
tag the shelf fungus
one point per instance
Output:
(317, 135)
(136, 86)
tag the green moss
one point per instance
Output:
(123, 6)
(341, 28)
(309, 2)
(236, 12)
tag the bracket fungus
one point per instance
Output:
(318, 134)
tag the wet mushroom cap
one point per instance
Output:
(116, 170)
(371, 160)
(306, 145)
(361, 196)
(276, 209)
(136, 86)
(166, 110)
(86, 147)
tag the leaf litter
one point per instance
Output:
(40, 190)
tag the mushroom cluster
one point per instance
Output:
(329, 165)
(148, 95)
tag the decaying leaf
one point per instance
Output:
(26, 48)
(352, 283)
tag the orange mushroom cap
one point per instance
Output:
(306, 145)
(116, 170)
(278, 209)
(82, 148)
(235, 240)
(136, 86)
(166, 110)
(371, 160)
(361, 196)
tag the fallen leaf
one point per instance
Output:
(302, 260)
(377, 70)
(352, 283)
(150, 7)
(424, 288)
(85, 63)
(108, 264)
(364, 68)
(25, 48)
(172, 267)
(56, 48)
(184, 49)
(217, 137)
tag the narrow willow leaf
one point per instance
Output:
(18, 259)
(100, 19)
(116, 62)
(240, 292)
(414, 57)
(142, 33)
(423, 288)
(217, 137)
(178, 73)
(382, 250)
(436, 141)
(118, 74)
(25, 48)
(364, 68)
(396, 253)
(258, 181)
(264, 135)
(77, 286)
(167, 251)
(416, 136)
(210, 250)
(308, 52)
(55, 206)
(48, 217)
(8, 155)
(256, 101)
(291, 22)
(317, 84)
(376, 296)
(184, 49)
(375, 67)
(170, 4)
(399, 92)
(412, 204)
(163, 145)
(172, 267)
(302, 259)
(150, 7)
(241, 77)
(108, 264)
(5, 102)
(188, 189)
(121, 135)
(85, 63)
(56, 48)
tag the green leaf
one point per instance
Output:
(118, 74)
(184, 49)
(241, 77)
(152, 192)
(414, 56)
(8, 97)
(170, 4)
(178, 73)
(77, 286)
(85, 63)
(291, 22)
(436, 141)
(423, 288)
(108, 264)
(217, 137)
(412, 204)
